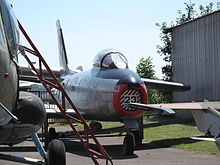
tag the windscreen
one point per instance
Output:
(115, 60)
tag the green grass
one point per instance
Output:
(168, 132)
(175, 133)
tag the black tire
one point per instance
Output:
(52, 134)
(56, 154)
(96, 126)
(138, 138)
(128, 145)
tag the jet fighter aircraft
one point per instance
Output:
(21, 113)
(112, 92)
(105, 92)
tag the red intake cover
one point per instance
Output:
(124, 94)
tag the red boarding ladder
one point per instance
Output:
(88, 132)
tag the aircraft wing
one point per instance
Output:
(27, 74)
(165, 85)
(190, 105)
(215, 139)
(206, 114)
(54, 112)
(152, 109)
(203, 139)
(212, 107)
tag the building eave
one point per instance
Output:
(168, 30)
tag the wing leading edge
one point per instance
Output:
(149, 109)
(165, 85)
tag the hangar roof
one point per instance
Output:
(171, 28)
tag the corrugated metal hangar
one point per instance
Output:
(196, 58)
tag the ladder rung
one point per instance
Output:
(94, 156)
(95, 152)
(74, 125)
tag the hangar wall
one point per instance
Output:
(196, 58)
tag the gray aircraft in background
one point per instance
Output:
(22, 114)
(105, 92)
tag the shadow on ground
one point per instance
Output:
(115, 151)
(154, 122)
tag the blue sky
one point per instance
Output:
(90, 26)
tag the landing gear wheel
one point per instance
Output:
(128, 144)
(56, 154)
(138, 138)
(97, 126)
(51, 135)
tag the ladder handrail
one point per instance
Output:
(88, 132)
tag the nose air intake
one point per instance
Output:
(129, 93)
(130, 96)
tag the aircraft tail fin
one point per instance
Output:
(64, 69)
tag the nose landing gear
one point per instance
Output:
(128, 144)
(133, 138)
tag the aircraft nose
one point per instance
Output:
(129, 89)
(131, 80)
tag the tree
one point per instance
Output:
(206, 9)
(145, 69)
(189, 14)
(165, 50)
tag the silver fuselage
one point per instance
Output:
(93, 96)
(94, 93)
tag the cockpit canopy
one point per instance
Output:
(110, 59)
